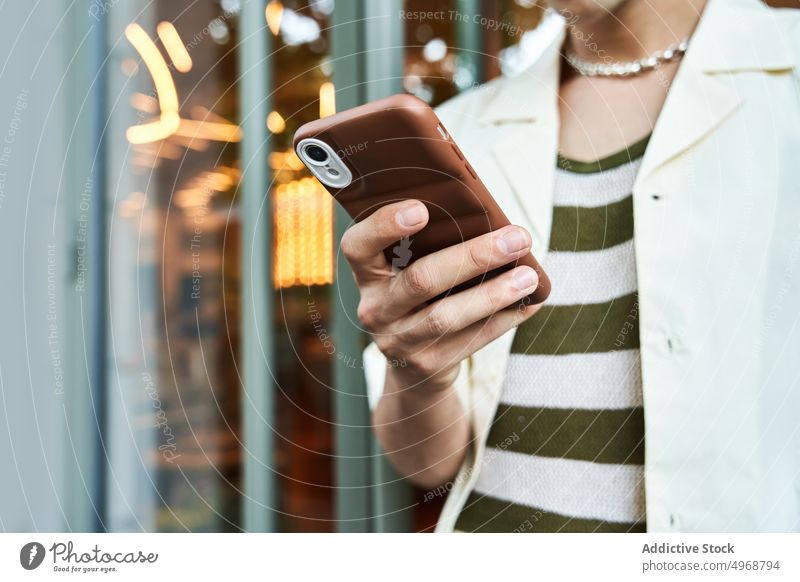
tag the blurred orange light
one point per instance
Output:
(195, 194)
(204, 114)
(303, 234)
(144, 102)
(274, 14)
(193, 143)
(287, 160)
(229, 132)
(275, 122)
(327, 99)
(175, 48)
(169, 120)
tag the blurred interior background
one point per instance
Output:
(179, 351)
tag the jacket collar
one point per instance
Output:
(528, 96)
(733, 35)
(525, 109)
(740, 35)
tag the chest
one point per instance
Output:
(599, 116)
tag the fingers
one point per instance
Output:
(472, 338)
(427, 359)
(440, 271)
(460, 310)
(363, 243)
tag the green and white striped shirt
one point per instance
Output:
(566, 448)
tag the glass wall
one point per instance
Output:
(175, 447)
(174, 268)
(302, 91)
(454, 45)
(177, 330)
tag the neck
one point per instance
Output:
(635, 29)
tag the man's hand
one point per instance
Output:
(431, 339)
(419, 420)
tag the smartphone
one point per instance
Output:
(396, 149)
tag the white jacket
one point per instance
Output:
(717, 239)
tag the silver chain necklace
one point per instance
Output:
(600, 69)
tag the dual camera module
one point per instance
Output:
(324, 163)
(319, 155)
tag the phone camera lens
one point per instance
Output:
(316, 153)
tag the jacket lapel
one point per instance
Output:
(697, 104)
(733, 35)
(525, 114)
(526, 157)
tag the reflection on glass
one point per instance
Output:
(431, 62)
(174, 450)
(303, 266)
(303, 233)
(459, 44)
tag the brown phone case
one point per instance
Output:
(397, 149)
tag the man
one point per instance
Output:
(658, 388)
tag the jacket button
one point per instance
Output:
(673, 343)
(675, 520)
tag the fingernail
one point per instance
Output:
(512, 241)
(411, 216)
(523, 279)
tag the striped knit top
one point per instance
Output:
(565, 452)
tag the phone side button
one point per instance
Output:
(458, 152)
(471, 171)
